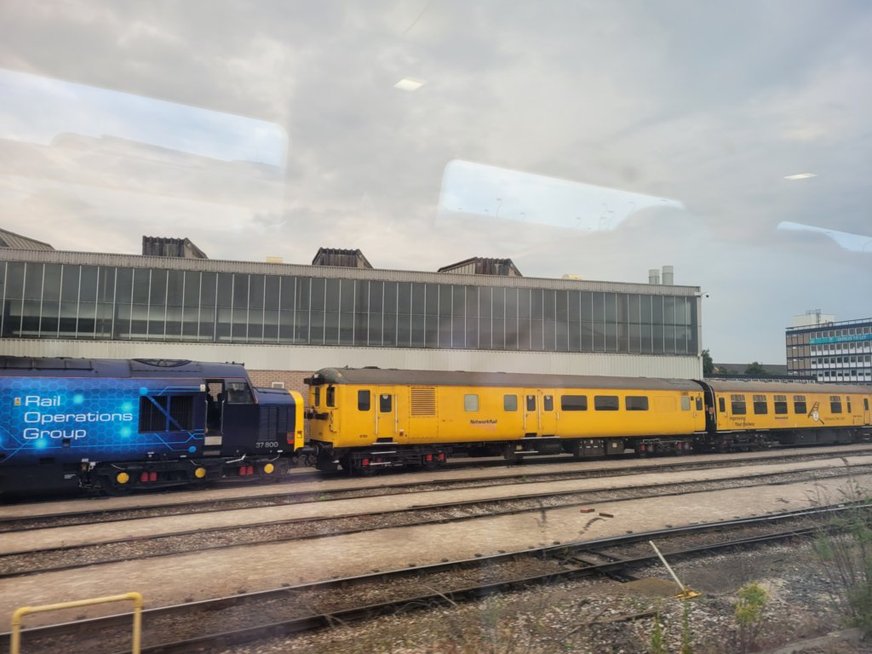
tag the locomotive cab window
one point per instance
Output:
(737, 404)
(799, 405)
(510, 402)
(363, 401)
(237, 393)
(835, 404)
(470, 402)
(636, 403)
(606, 402)
(331, 396)
(548, 403)
(760, 407)
(384, 403)
(699, 404)
(573, 403)
(780, 404)
(722, 405)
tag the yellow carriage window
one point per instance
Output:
(510, 402)
(636, 403)
(331, 396)
(531, 403)
(737, 405)
(699, 404)
(780, 402)
(760, 407)
(799, 406)
(573, 402)
(317, 395)
(685, 403)
(865, 403)
(548, 403)
(835, 404)
(722, 405)
(363, 400)
(470, 402)
(606, 402)
(848, 403)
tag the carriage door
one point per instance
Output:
(385, 414)
(531, 412)
(547, 414)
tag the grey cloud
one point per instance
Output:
(708, 104)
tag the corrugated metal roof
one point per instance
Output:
(382, 376)
(18, 242)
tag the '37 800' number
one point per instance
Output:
(266, 444)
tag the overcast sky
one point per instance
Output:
(273, 128)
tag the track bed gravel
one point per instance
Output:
(126, 550)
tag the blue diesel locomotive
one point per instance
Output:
(113, 425)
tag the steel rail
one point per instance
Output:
(558, 553)
(279, 498)
(679, 488)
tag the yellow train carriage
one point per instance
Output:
(369, 417)
(792, 412)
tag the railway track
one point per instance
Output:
(245, 617)
(284, 497)
(128, 548)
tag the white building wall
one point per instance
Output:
(310, 358)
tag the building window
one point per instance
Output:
(573, 402)
(470, 403)
(277, 384)
(737, 405)
(510, 402)
(606, 402)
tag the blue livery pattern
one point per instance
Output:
(77, 419)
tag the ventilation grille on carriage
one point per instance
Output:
(423, 402)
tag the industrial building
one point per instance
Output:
(286, 320)
(818, 346)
